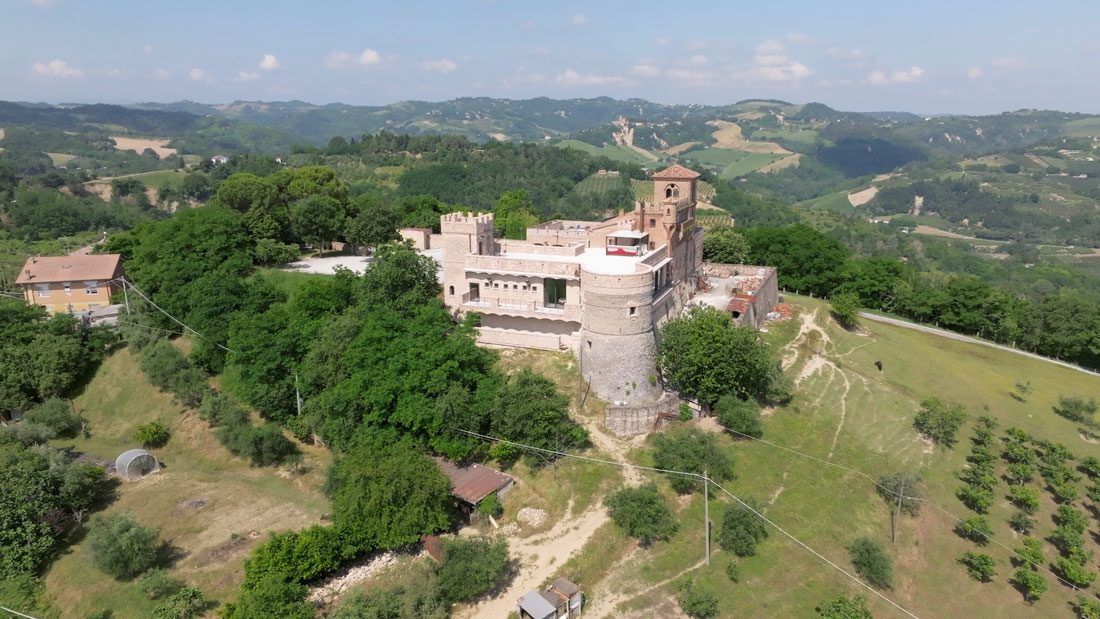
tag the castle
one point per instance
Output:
(597, 288)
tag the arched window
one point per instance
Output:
(672, 191)
(452, 291)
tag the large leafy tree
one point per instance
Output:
(400, 278)
(642, 513)
(388, 496)
(741, 529)
(472, 567)
(704, 354)
(725, 245)
(317, 220)
(373, 224)
(690, 450)
(531, 410)
(808, 261)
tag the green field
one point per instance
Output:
(618, 153)
(806, 136)
(60, 159)
(1090, 263)
(602, 183)
(731, 163)
(1086, 127)
(837, 201)
(849, 413)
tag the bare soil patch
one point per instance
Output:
(729, 136)
(679, 148)
(138, 145)
(859, 198)
(789, 162)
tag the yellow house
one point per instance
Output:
(70, 283)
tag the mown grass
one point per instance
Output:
(611, 151)
(733, 163)
(210, 506)
(828, 508)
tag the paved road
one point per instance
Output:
(973, 340)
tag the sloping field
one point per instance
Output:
(733, 163)
(847, 412)
(602, 183)
(729, 136)
(791, 161)
(138, 145)
(1086, 127)
(618, 153)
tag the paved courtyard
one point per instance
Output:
(357, 264)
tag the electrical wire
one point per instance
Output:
(177, 320)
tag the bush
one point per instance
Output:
(152, 434)
(1030, 583)
(976, 498)
(219, 409)
(1027, 499)
(691, 450)
(979, 566)
(907, 486)
(57, 415)
(489, 506)
(189, 386)
(157, 584)
(1090, 466)
(417, 596)
(975, 529)
(872, 562)
(939, 420)
(122, 548)
(472, 567)
(686, 414)
(161, 362)
(642, 513)
(740, 417)
(733, 572)
(845, 308)
(183, 604)
(696, 602)
(272, 597)
(741, 529)
(297, 556)
(843, 607)
(262, 445)
(1076, 408)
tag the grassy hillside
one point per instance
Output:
(611, 151)
(849, 413)
(212, 507)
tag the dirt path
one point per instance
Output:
(604, 606)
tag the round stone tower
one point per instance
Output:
(618, 349)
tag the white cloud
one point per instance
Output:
(646, 70)
(578, 19)
(541, 51)
(771, 63)
(344, 60)
(161, 74)
(572, 78)
(699, 59)
(661, 40)
(147, 49)
(245, 76)
(196, 74)
(846, 54)
(269, 63)
(56, 68)
(798, 38)
(690, 75)
(880, 77)
(694, 44)
(443, 65)
(973, 73)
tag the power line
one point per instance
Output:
(162, 310)
(135, 324)
(705, 480)
(900, 496)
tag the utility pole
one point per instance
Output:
(897, 514)
(297, 394)
(706, 514)
(126, 296)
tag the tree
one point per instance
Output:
(1076, 408)
(1086, 608)
(273, 597)
(939, 420)
(317, 220)
(979, 566)
(513, 214)
(976, 498)
(1025, 498)
(642, 513)
(472, 567)
(902, 489)
(418, 596)
(844, 607)
(388, 496)
(57, 415)
(1073, 519)
(742, 529)
(152, 434)
(725, 245)
(122, 548)
(975, 529)
(374, 223)
(1074, 572)
(702, 353)
(740, 417)
(399, 278)
(690, 450)
(808, 261)
(1030, 583)
(1021, 522)
(696, 602)
(529, 409)
(1031, 553)
(845, 308)
(872, 562)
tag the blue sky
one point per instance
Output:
(963, 56)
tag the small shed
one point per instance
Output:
(134, 464)
(472, 483)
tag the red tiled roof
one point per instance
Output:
(737, 305)
(676, 172)
(51, 269)
(474, 482)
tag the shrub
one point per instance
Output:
(189, 386)
(157, 584)
(642, 513)
(939, 420)
(272, 597)
(907, 486)
(1065, 492)
(121, 547)
(686, 414)
(57, 415)
(186, 603)
(26, 434)
(1030, 583)
(1090, 466)
(219, 409)
(975, 529)
(741, 529)
(472, 567)
(1031, 553)
(692, 450)
(979, 566)
(845, 308)
(976, 498)
(1076, 408)
(161, 361)
(740, 417)
(1025, 498)
(1021, 522)
(261, 445)
(297, 556)
(489, 506)
(844, 607)
(733, 571)
(417, 595)
(696, 602)
(872, 562)
(152, 434)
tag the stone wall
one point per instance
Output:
(627, 420)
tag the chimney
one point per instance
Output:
(34, 259)
(28, 272)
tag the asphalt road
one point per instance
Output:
(964, 338)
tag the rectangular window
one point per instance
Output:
(652, 223)
(475, 292)
(554, 293)
(91, 287)
(68, 288)
(43, 289)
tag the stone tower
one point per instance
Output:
(463, 234)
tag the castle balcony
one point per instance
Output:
(521, 309)
(626, 243)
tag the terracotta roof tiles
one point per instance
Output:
(52, 269)
(676, 172)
